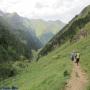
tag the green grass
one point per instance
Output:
(46, 74)
(52, 71)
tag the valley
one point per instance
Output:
(38, 57)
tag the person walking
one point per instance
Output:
(73, 56)
(77, 58)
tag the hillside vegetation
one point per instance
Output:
(11, 49)
(71, 32)
(16, 43)
(51, 72)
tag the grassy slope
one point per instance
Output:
(69, 31)
(85, 62)
(48, 73)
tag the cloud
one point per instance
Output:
(63, 10)
(39, 5)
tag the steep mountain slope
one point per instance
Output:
(16, 43)
(71, 32)
(11, 50)
(44, 28)
(22, 31)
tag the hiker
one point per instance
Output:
(73, 55)
(77, 57)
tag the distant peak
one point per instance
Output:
(14, 14)
(1, 13)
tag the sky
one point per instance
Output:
(63, 10)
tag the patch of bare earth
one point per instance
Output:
(78, 80)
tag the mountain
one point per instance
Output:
(52, 71)
(45, 37)
(72, 32)
(23, 32)
(43, 28)
(11, 50)
(16, 43)
(1, 13)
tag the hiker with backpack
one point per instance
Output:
(77, 57)
(73, 56)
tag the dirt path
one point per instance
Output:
(78, 79)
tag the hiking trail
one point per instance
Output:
(78, 80)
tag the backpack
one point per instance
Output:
(78, 55)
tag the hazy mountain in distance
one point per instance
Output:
(45, 37)
(42, 26)
(45, 28)
(36, 28)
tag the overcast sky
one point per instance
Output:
(63, 10)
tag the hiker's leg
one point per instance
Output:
(77, 61)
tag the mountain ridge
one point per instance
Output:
(68, 32)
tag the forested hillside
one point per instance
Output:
(16, 43)
(24, 33)
(11, 49)
(45, 30)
